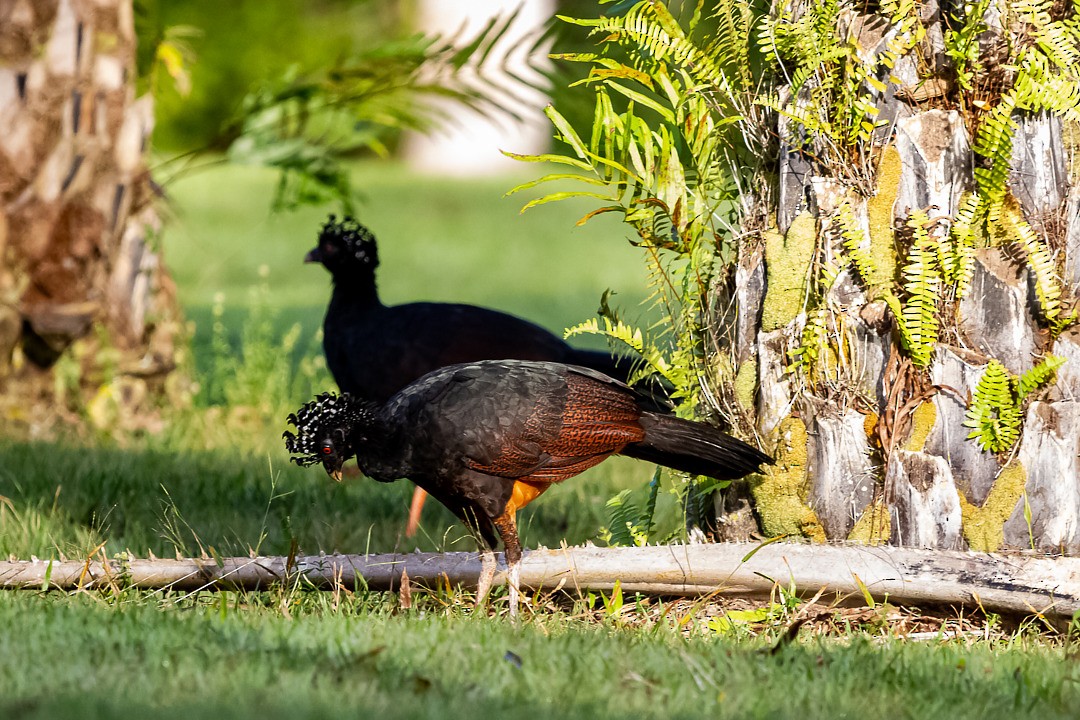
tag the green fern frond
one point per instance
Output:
(962, 42)
(813, 343)
(854, 242)
(996, 410)
(1038, 376)
(1055, 40)
(995, 142)
(994, 414)
(1041, 261)
(1040, 87)
(1046, 80)
(835, 84)
(917, 318)
(625, 522)
(966, 235)
(631, 337)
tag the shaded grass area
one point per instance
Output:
(69, 501)
(355, 658)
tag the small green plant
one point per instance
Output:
(917, 317)
(961, 38)
(307, 125)
(854, 243)
(674, 130)
(996, 410)
(833, 83)
(1044, 78)
(264, 368)
(628, 524)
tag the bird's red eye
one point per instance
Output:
(327, 450)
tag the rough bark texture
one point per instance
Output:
(882, 435)
(997, 317)
(76, 215)
(1017, 583)
(839, 461)
(924, 504)
(1050, 454)
(976, 469)
(937, 162)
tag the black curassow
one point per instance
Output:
(487, 438)
(374, 350)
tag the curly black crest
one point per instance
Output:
(315, 422)
(352, 238)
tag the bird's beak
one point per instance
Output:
(313, 255)
(333, 468)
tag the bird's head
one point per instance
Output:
(345, 247)
(327, 431)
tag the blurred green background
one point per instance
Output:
(240, 44)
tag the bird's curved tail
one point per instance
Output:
(695, 448)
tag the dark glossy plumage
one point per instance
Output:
(487, 438)
(374, 350)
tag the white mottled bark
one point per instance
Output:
(774, 399)
(839, 460)
(974, 469)
(1050, 454)
(937, 161)
(1039, 178)
(924, 507)
(997, 316)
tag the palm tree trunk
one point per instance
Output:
(877, 450)
(81, 274)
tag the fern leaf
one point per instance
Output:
(994, 414)
(632, 338)
(1041, 261)
(966, 235)
(918, 318)
(623, 517)
(1039, 375)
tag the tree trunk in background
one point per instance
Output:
(881, 454)
(87, 311)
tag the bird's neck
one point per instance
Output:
(381, 450)
(355, 291)
(383, 460)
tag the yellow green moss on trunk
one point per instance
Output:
(922, 422)
(787, 267)
(984, 527)
(873, 526)
(780, 492)
(746, 384)
(879, 211)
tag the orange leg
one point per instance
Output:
(415, 509)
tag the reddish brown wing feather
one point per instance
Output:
(596, 421)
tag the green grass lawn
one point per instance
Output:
(300, 656)
(216, 480)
